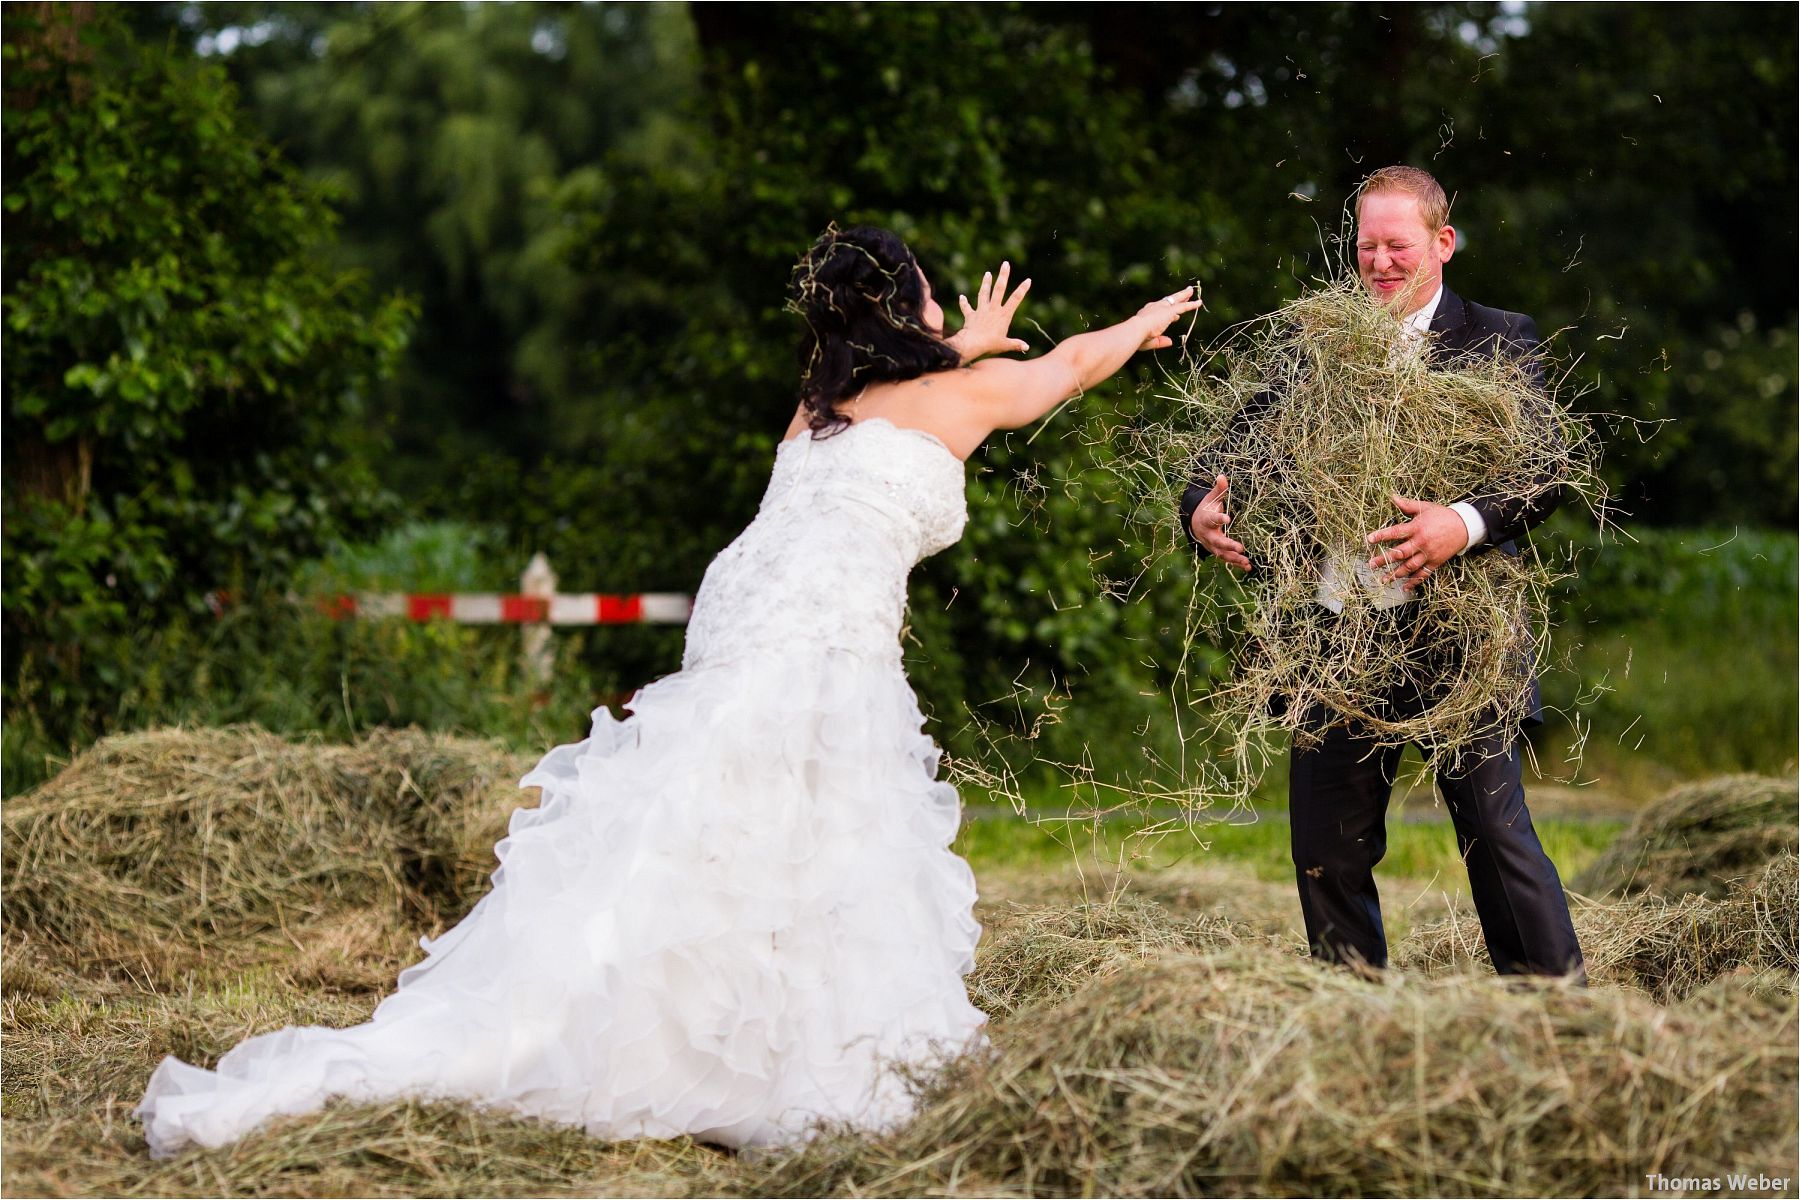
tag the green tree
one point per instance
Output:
(598, 205)
(458, 138)
(1635, 183)
(1113, 151)
(1606, 178)
(186, 382)
(961, 130)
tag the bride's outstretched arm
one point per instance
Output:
(1011, 394)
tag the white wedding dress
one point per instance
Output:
(734, 913)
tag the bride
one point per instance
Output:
(734, 914)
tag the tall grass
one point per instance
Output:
(1681, 659)
(1417, 850)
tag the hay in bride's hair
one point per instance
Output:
(1319, 414)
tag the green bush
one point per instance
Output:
(1676, 655)
(1706, 577)
(284, 664)
(419, 556)
(185, 377)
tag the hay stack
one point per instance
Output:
(1038, 954)
(153, 842)
(1254, 1074)
(1667, 948)
(1319, 414)
(1700, 838)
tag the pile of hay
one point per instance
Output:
(1247, 1073)
(75, 1066)
(398, 1150)
(1700, 838)
(1135, 1051)
(1319, 414)
(1667, 948)
(153, 849)
(1038, 954)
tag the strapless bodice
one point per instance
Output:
(845, 518)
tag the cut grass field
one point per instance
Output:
(1155, 1030)
(1417, 849)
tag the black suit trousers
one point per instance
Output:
(1338, 795)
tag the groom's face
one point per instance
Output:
(1400, 259)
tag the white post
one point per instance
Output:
(540, 581)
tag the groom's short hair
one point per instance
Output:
(1434, 206)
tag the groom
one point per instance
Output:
(1338, 789)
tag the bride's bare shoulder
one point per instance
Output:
(975, 381)
(991, 373)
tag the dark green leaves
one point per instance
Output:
(182, 367)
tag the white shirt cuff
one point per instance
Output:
(1472, 522)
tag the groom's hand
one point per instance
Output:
(1209, 523)
(1432, 536)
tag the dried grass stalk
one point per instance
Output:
(1135, 1052)
(1319, 414)
(1667, 948)
(1038, 954)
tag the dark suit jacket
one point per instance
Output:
(1460, 328)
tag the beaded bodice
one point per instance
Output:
(824, 564)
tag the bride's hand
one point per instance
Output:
(1158, 315)
(985, 323)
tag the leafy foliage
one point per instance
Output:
(185, 380)
(596, 206)
(459, 138)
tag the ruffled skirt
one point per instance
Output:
(733, 915)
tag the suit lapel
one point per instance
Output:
(1449, 325)
(1451, 315)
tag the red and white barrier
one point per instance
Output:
(539, 607)
(495, 608)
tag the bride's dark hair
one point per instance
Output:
(862, 297)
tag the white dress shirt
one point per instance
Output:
(1418, 324)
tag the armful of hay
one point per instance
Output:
(1318, 414)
